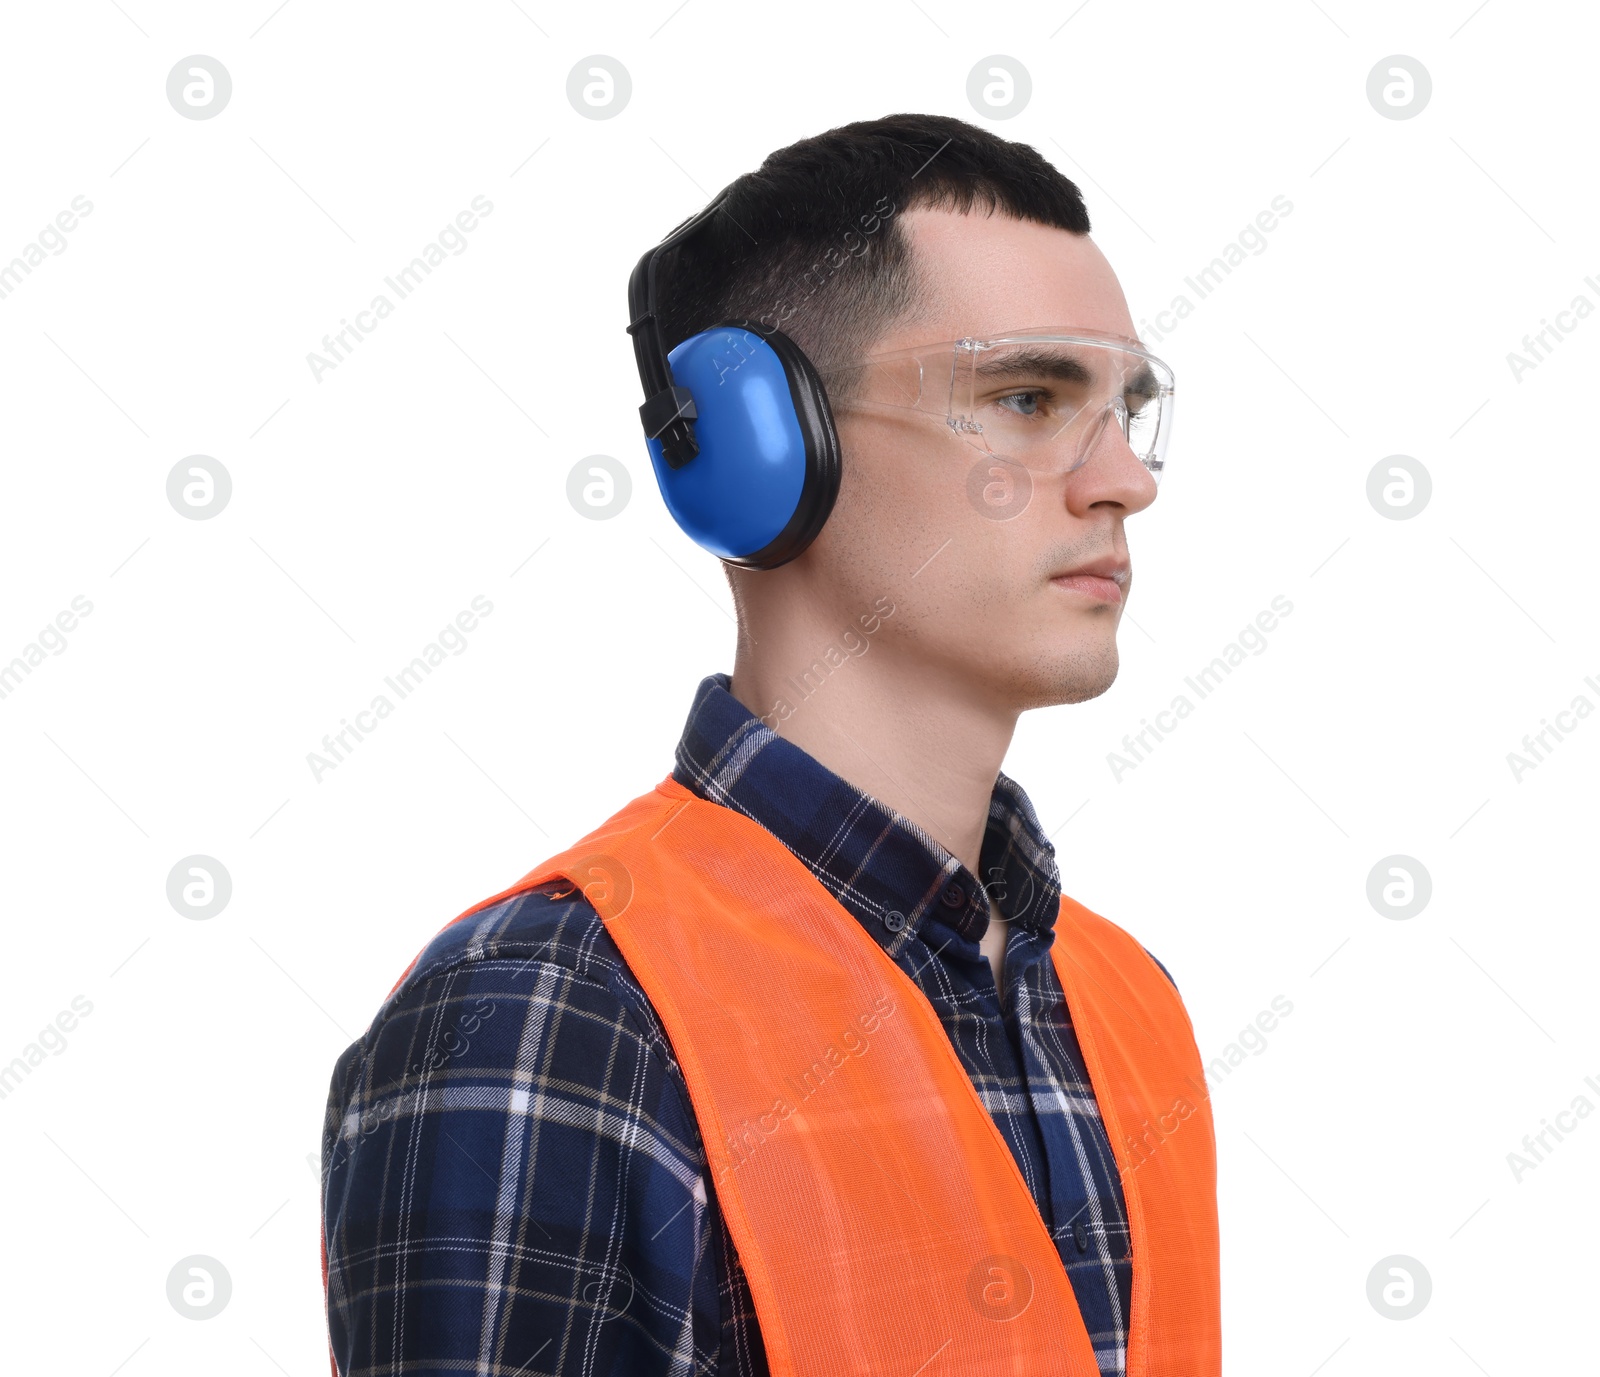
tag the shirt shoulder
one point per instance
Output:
(509, 1154)
(552, 924)
(1160, 964)
(546, 942)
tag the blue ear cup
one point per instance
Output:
(767, 471)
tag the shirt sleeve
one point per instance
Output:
(1164, 970)
(513, 1181)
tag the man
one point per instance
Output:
(801, 1062)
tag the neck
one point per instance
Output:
(911, 736)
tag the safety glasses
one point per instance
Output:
(1041, 398)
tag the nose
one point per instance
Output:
(1108, 471)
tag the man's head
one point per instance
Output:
(889, 235)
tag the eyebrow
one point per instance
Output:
(1035, 363)
(1050, 363)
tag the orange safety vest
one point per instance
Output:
(878, 1214)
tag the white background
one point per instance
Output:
(370, 507)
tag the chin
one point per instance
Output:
(1071, 674)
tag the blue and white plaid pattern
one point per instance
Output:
(514, 1182)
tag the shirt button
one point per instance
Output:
(1080, 1236)
(894, 920)
(954, 896)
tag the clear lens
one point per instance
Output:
(1045, 401)
(1046, 404)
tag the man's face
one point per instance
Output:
(975, 600)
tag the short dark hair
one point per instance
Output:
(811, 242)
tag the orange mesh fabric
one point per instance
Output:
(1140, 1051)
(878, 1214)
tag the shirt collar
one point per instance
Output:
(876, 862)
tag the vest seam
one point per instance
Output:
(727, 1247)
(661, 1046)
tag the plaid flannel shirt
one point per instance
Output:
(513, 1178)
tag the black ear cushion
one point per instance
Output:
(821, 486)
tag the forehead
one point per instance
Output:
(986, 274)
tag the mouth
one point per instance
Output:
(1102, 580)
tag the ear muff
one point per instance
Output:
(767, 469)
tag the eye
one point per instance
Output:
(1028, 402)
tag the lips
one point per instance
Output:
(1101, 579)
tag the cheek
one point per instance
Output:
(998, 517)
(913, 519)
(894, 498)
(965, 575)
